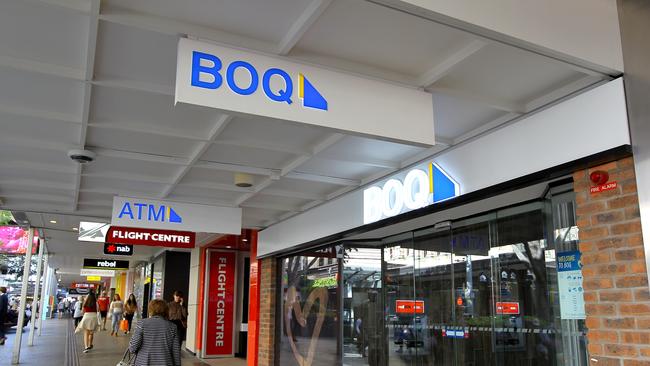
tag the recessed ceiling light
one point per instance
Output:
(75, 228)
(52, 221)
(244, 239)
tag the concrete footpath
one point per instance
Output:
(59, 345)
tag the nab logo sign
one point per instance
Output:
(207, 73)
(149, 212)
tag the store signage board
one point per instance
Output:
(110, 264)
(270, 86)
(92, 231)
(507, 308)
(93, 279)
(97, 272)
(409, 307)
(569, 280)
(151, 237)
(421, 186)
(603, 187)
(221, 303)
(83, 285)
(118, 249)
(167, 215)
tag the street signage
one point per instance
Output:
(255, 84)
(93, 279)
(97, 272)
(221, 303)
(151, 237)
(409, 306)
(111, 264)
(167, 215)
(406, 191)
(92, 231)
(507, 308)
(118, 249)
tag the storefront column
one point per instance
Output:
(192, 301)
(268, 288)
(253, 304)
(617, 301)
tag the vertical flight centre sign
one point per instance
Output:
(178, 216)
(221, 304)
(272, 86)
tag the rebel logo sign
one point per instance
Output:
(105, 264)
(118, 249)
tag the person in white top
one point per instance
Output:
(116, 309)
(78, 311)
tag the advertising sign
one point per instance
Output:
(221, 303)
(508, 308)
(419, 187)
(166, 215)
(97, 272)
(93, 279)
(83, 285)
(569, 279)
(245, 82)
(118, 249)
(14, 239)
(150, 237)
(409, 307)
(92, 231)
(111, 264)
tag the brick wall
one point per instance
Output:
(615, 281)
(268, 284)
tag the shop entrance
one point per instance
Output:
(481, 290)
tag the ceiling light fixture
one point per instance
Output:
(52, 221)
(243, 180)
(75, 228)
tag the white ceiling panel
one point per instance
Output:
(456, 116)
(514, 74)
(301, 186)
(363, 32)
(265, 20)
(247, 156)
(127, 53)
(360, 149)
(340, 169)
(42, 33)
(30, 127)
(35, 91)
(195, 194)
(140, 142)
(285, 203)
(118, 167)
(121, 187)
(155, 112)
(201, 176)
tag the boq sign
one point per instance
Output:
(221, 303)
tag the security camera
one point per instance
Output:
(82, 156)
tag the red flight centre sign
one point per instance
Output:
(150, 237)
(221, 304)
(409, 306)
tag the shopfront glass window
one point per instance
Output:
(310, 320)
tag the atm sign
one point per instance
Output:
(409, 307)
(510, 308)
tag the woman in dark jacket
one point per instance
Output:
(155, 340)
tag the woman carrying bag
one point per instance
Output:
(89, 322)
(155, 339)
(130, 308)
(116, 310)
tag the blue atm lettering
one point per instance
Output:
(149, 212)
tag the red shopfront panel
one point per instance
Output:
(220, 310)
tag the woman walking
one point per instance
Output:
(89, 322)
(78, 311)
(116, 310)
(155, 340)
(178, 314)
(130, 308)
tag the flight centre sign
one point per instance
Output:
(256, 84)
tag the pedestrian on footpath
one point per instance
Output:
(4, 307)
(89, 322)
(116, 310)
(155, 340)
(178, 314)
(130, 308)
(103, 302)
(78, 311)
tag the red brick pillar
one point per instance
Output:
(615, 280)
(268, 285)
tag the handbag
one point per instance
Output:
(128, 359)
(124, 325)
